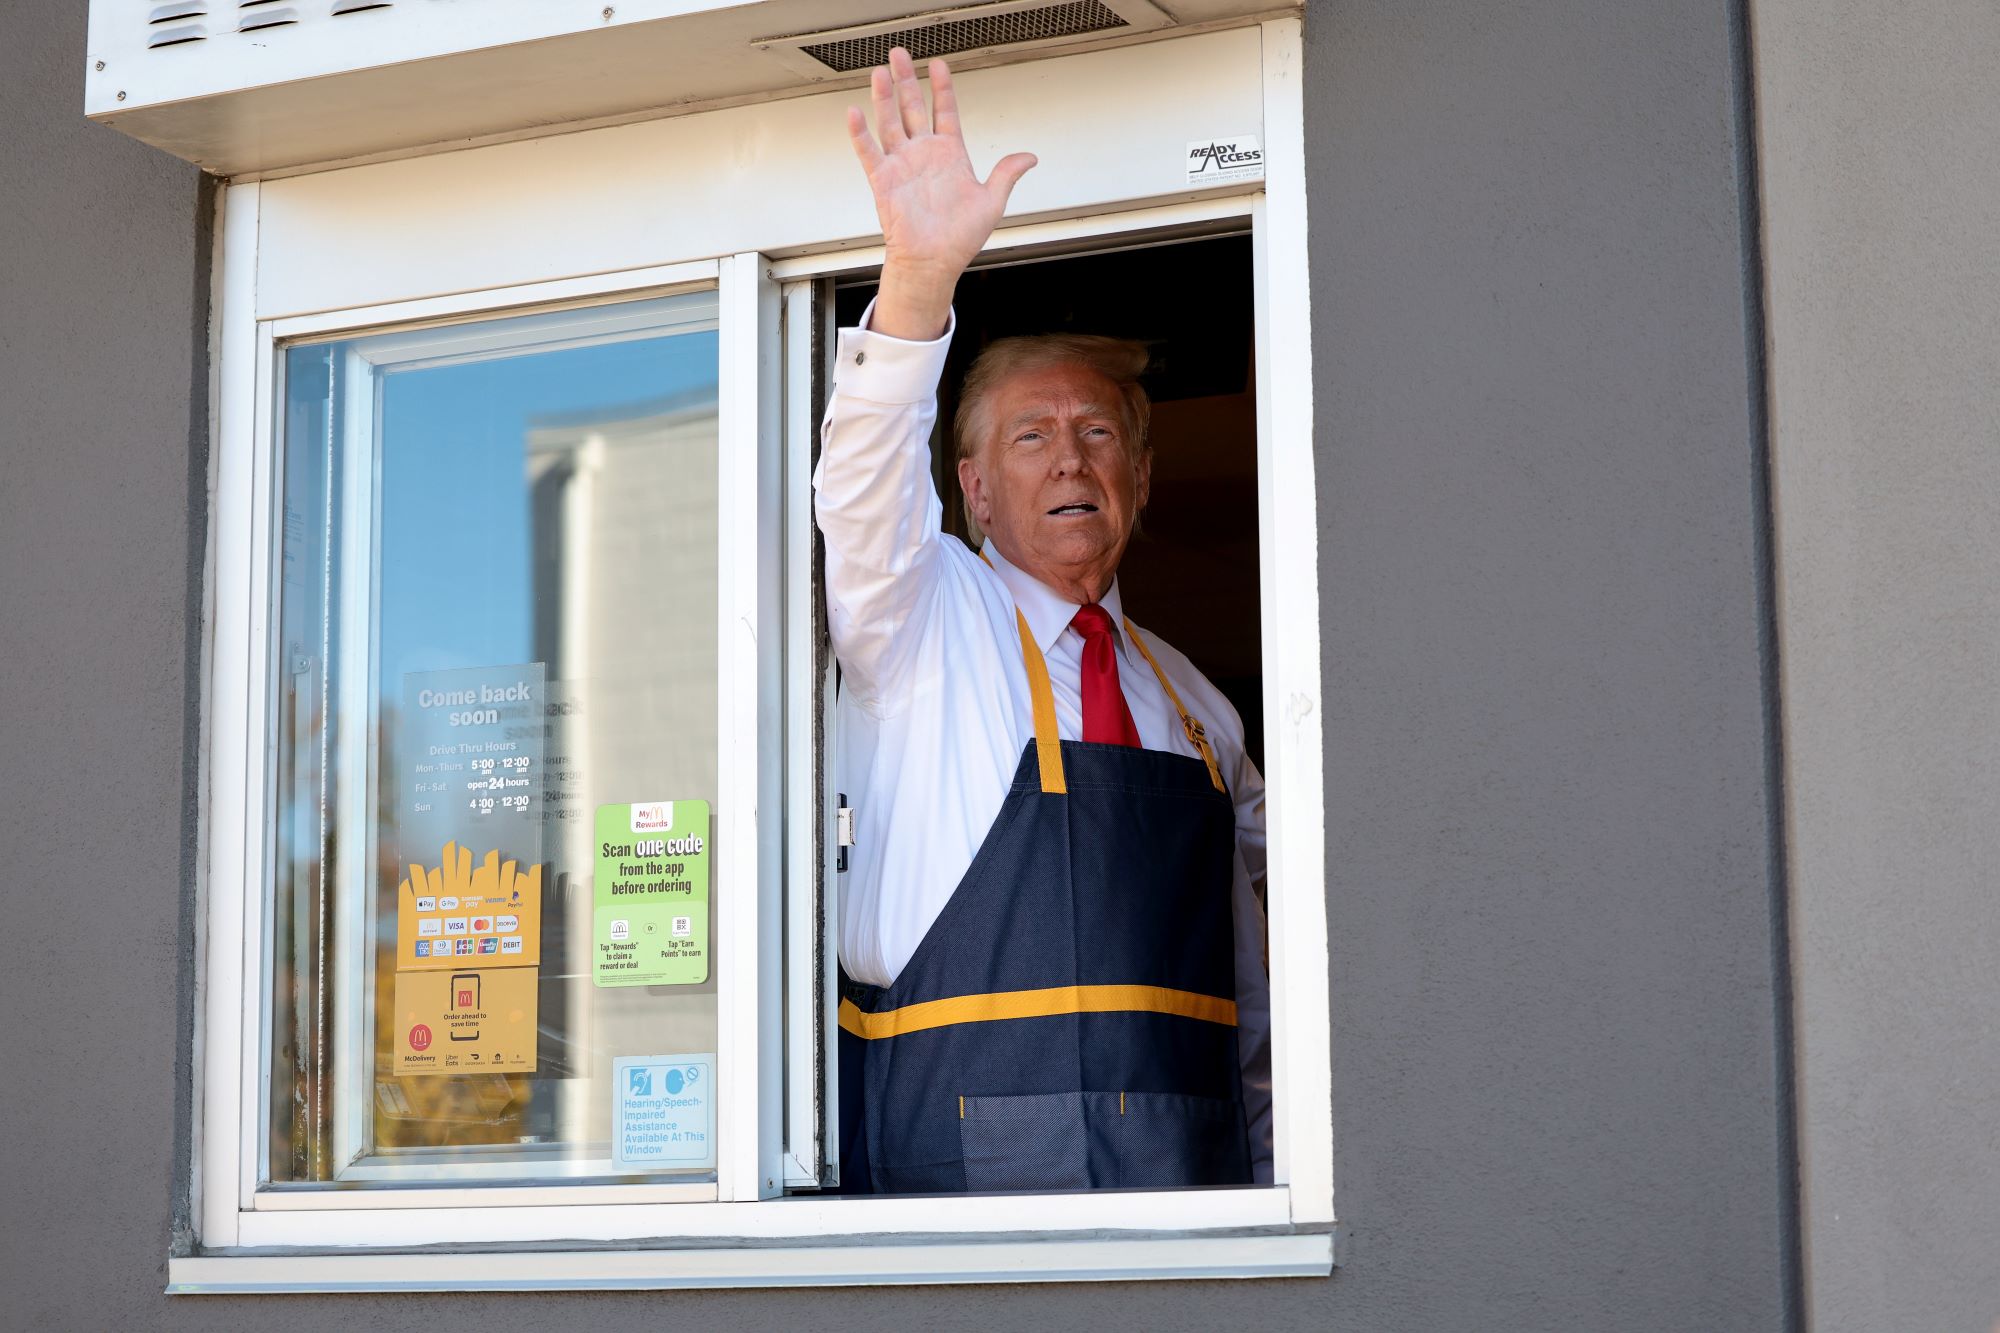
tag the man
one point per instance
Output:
(1050, 931)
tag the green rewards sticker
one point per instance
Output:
(650, 924)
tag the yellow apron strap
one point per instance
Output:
(1048, 741)
(1195, 731)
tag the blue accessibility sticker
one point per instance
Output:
(663, 1112)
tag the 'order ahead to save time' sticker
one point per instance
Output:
(650, 894)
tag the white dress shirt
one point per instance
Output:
(934, 710)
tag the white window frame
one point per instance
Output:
(737, 1231)
(352, 964)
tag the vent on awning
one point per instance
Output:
(179, 22)
(978, 33)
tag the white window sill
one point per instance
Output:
(932, 1260)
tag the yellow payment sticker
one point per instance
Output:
(460, 915)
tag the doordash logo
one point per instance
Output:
(652, 816)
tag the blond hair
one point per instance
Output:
(1120, 360)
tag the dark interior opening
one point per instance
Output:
(1190, 574)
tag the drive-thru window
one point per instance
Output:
(523, 855)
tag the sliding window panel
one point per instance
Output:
(811, 995)
(751, 704)
(496, 894)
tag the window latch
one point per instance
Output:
(844, 836)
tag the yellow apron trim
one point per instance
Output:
(1050, 1002)
(1195, 731)
(1048, 741)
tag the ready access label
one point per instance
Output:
(1222, 158)
(650, 894)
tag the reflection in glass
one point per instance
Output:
(524, 504)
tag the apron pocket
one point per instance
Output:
(1039, 1142)
(1102, 1140)
(1162, 1140)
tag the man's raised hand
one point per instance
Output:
(936, 214)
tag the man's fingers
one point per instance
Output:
(909, 93)
(888, 120)
(1007, 172)
(864, 142)
(944, 99)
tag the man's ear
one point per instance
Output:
(974, 487)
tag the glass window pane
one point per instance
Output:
(496, 746)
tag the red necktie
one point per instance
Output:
(1106, 719)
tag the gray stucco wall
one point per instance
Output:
(1555, 1101)
(103, 402)
(1881, 198)
(1557, 1098)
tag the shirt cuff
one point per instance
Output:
(880, 369)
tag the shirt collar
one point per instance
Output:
(1048, 611)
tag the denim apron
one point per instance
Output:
(1069, 1021)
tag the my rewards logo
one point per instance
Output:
(652, 816)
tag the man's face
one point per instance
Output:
(1055, 484)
